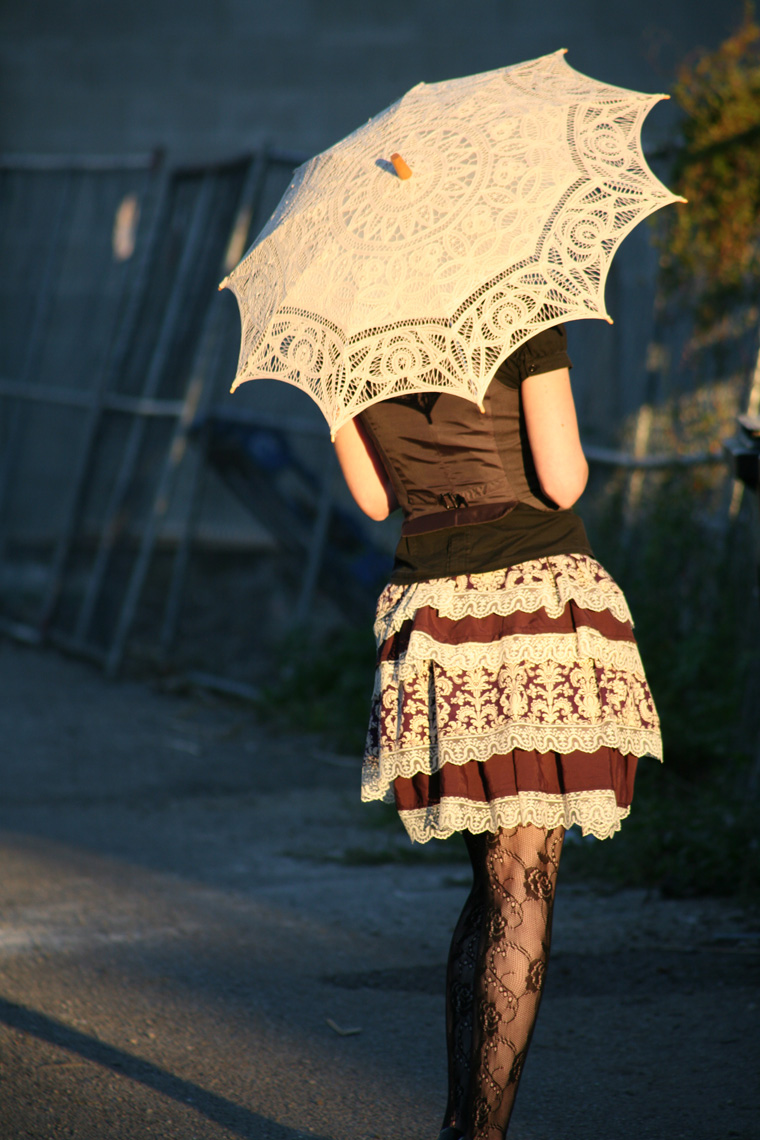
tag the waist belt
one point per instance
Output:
(457, 513)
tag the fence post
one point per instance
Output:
(134, 442)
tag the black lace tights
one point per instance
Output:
(495, 974)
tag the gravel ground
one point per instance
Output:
(196, 944)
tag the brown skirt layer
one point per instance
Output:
(507, 698)
(518, 771)
(594, 791)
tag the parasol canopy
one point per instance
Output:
(420, 251)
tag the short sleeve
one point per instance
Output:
(544, 352)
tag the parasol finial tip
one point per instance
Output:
(400, 166)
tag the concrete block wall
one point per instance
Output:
(212, 78)
(206, 78)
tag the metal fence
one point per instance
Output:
(115, 343)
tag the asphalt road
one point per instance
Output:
(196, 944)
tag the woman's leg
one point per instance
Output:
(498, 958)
(460, 996)
(495, 974)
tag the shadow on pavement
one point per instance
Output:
(218, 1109)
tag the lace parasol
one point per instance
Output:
(421, 250)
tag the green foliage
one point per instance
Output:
(324, 687)
(690, 590)
(711, 246)
(682, 837)
(692, 829)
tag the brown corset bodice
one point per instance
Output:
(450, 463)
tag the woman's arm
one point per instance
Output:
(363, 471)
(552, 427)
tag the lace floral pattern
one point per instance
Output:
(561, 649)
(362, 286)
(515, 875)
(464, 675)
(543, 583)
(451, 717)
(378, 773)
(596, 812)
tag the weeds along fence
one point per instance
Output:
(115, 360)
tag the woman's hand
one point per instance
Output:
(363, 471)
(552, 426)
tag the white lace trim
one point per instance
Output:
(378, 773)
(543, 583)
(596, 812)
(524, 182)
(567, 649)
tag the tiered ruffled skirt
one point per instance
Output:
(511, 697)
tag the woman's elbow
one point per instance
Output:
(376, 502)
(564, 501)
(377, 511)
(567, 490)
